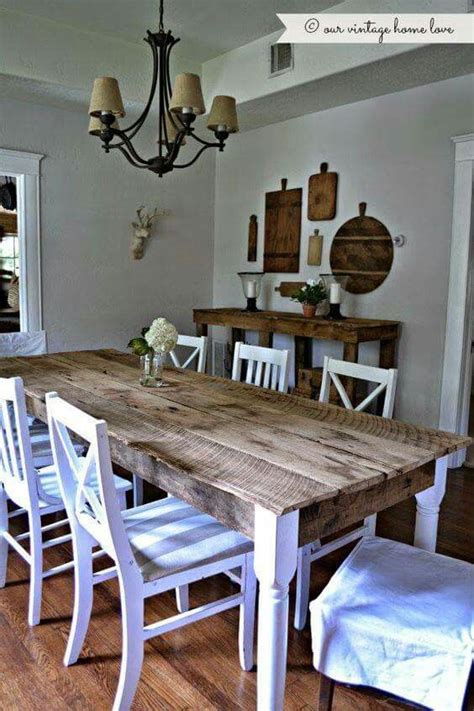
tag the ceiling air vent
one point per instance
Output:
(281, 58)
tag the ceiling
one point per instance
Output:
(208, 27)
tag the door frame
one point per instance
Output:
(25, 167)
(456, 379)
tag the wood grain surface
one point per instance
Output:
(363, 249)
(226, 447)
(322, 194)
(282, 230)
(252, 239)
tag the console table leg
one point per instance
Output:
(351, 354)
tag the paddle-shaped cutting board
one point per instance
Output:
(322, 195)
(282, 230)
(363, 249)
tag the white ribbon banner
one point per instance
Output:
(360, 28)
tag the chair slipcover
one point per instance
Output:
(22, 344)
(399, 619)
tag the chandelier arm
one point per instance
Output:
(127, 142)
(176, 147)
(208, 144)
(204, 148)
(141, 119)
(129, 158)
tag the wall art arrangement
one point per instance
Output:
(361, 250)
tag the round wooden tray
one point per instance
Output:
(363, 249)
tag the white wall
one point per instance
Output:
(94, 294)
(395, 153)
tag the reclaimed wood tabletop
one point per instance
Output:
(282, 469)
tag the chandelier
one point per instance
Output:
(178, 107)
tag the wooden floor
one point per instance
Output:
(193, 668)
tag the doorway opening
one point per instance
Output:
(9, 257)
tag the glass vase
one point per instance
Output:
(151, 370)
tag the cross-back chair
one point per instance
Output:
(385, 384)
(35, 491)
(155, 548)
(198, 344)
(266, 367)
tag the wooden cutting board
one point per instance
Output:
(252, 239)
(363, 249)
(282, 229)
(289, 288)
(322, 195)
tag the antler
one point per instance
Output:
(145, 219)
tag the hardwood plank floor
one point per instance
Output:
(193, 668)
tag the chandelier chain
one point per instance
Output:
(161, 25)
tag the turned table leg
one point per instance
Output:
(427, 508)
(276, 545)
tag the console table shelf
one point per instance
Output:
(350, 332)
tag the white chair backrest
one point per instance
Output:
(99, 515)
(17, 473)
(22, 344)
(266, 367)
(199, 352)
(386, 380)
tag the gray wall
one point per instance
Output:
(94, 294)
(395, 153)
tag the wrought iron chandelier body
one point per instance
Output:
(177, 110)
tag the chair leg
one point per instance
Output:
(371, 523)
(3, 543)
(36, 568)
(326, 693)
(122, 497)
(303, 576)
(247, 614)
(131, 595)
(137, 490)
(182, 598)
(83, 594)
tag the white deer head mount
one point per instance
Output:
(142, 230)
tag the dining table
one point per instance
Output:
(281, 469)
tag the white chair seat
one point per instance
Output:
(50, 483)
(399, 619)
(169, 536)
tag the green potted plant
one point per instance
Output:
(309, 296)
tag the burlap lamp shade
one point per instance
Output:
(106, 98)
(171, 130)
(96, 126)
(187, 94)
(223, 113)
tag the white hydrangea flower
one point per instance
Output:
(311, 282)
(162, 336)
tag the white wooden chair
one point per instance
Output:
(266, 367)
(198, 354)
(34, 491)
(396, 618)
(155, 548)
(386, 380)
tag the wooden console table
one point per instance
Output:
(351, 332)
